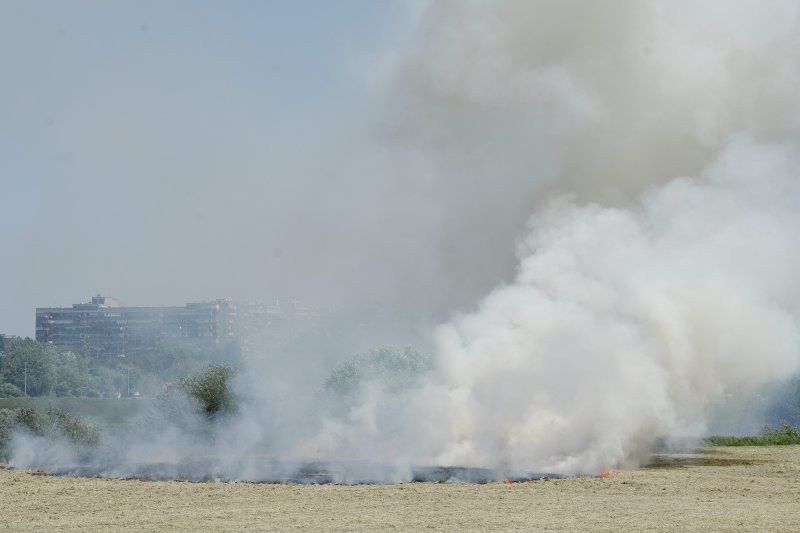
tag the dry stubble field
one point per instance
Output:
(721, 489)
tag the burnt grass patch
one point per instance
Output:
(699, 458)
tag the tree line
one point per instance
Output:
(31, 368)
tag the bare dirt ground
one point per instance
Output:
(721, 489)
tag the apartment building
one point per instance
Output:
(105, 327)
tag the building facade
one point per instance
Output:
(6, 340)
(105, 327)
(263, 328)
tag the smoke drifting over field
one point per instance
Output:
(659, 145)
(653, 148)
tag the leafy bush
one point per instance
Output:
(53, 423)
(9, 390)
(212, 389)
(29, 418)
(7, 422)
(73, 428)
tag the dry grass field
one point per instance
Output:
(720, 489)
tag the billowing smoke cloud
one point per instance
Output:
(661, 285)
(495, 106)
(623, 325)
(652, 148)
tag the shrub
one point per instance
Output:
(212, 389)
(9, 390)
(53, 423)
(6, 428)
(72, 427)
(29, 418)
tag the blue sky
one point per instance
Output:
(165, 152)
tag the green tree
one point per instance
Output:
(391, 368)
(71, 374)
(28, 365)
(212, 389)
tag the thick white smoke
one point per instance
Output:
(622, 326)
(657, 144)
(627, 324)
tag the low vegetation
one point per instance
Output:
(209, 392)
(784, 434)
(50, 423)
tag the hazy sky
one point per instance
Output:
(165, 152)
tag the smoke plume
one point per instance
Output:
(643, 159)
(657, 146)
